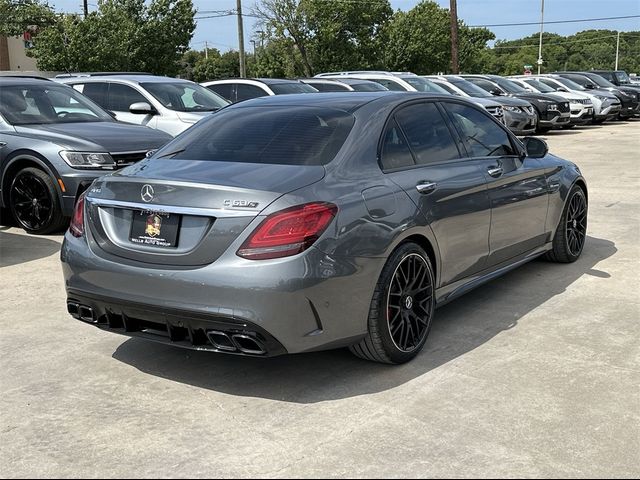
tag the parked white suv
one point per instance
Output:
(168, 104)
(396, 81)
(581, 106)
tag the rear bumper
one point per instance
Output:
(217, 333)
(297, 304)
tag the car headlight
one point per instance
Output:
(553, 107)
(88, 159)
(509, 108)
(601, 98)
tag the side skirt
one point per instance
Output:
(449, 292)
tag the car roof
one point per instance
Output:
(129, 78)
(24, 80)
(347, 101)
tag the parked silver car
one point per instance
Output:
(168, 104)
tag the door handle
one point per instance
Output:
(3, 144)
(426, 188)
(495, 171)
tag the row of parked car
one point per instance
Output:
(55, 140)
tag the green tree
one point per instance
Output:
(16, 16)
(419, 40)
(122, 35)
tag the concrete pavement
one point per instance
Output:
(536, 374)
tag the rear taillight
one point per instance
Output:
(77, 221)
(288, 232)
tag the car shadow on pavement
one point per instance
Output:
(458, 328)
(16, 249)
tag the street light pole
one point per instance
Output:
(243, 70)
(617, 50)
(541, 30)
(453, 8)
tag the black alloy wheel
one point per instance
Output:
(571, 233)
(409, 303)
(33, 202)
(402, 308)
(576, 223)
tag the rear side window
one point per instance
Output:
(271, 135)
(121, 97)
(291, 88)
(395, 150)
(247, 92)
(484, 84)
(95, 91)
(482, 135)
(427, 133)
(225, 90)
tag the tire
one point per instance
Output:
(570, 237)
(34, 203)
(414, 306)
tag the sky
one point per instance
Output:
(222, 33)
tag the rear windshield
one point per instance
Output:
(291, 135)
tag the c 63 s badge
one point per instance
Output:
(240, 204)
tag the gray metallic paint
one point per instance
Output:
(474, 227)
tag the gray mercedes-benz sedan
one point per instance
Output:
(297, 223)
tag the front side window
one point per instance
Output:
(48, 104)
(427, 133)
(482, 135)
(268, 135)
(121, 97)
(185, 96)
(484, 84)
(424, 85)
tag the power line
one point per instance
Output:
(554, 22)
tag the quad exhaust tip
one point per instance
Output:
(81, 312)
(236, 342)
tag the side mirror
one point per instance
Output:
(142, 108)
(536, 148)
(589, 86)
(496, 92)
(561, 89)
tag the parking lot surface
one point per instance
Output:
(534, 374)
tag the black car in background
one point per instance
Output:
(619, 78)
(628, 96)
(552, 110)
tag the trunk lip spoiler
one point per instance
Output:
(195, 211)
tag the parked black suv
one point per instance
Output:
(552, 110)
(628, 96)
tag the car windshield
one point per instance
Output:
(259, 134)
(600, 81)
(570, 84)
(623, 78)
(471, 89)
(368, 87)
(185, 96)
(510, 87)
(424, 85)
(541, 87)
(291, 88)
(48, 103)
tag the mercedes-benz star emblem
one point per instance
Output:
(147, 193)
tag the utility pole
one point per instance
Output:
(206, 50)
(85, 5)
(541, 30)
(243, 70)
(455, 67)
(617, 51)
